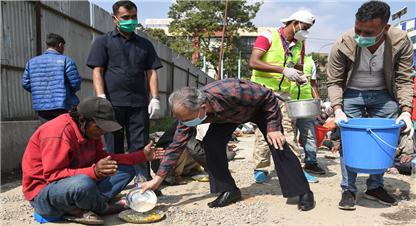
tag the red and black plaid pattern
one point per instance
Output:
(233, 101)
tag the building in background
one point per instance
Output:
(246, 37)
(409, 26)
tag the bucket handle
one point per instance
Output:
(381, 139)
(307, 85)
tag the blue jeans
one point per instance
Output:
(80, 191)
(379, 104)
(307, 130)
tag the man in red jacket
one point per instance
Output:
(66, 170)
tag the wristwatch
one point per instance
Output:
(156, 97)
(409, 111)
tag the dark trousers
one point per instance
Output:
(403, 168)
(330, 143)
(291, 177)
(45, 116)
(135, 123)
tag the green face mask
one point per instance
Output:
(366, 41)
(127, 26)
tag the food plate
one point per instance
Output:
(331, 156)
(141, 217)
(201, 177)
(141, 202)
(239, 157)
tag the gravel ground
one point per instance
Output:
(263, 204)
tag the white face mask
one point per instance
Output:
(301, 34)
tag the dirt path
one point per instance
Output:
(262, 204)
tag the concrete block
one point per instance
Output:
(15, 136)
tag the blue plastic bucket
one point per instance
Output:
(369, 144)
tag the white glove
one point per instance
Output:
(292, 74)
(154, 108)
(405, 117)
(340, 116)
(102, 96)
(304, 80)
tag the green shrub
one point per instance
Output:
(163, 124)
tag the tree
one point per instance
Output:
(320, 61)
(196, 23)
(158, 34)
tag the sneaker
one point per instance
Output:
(310, 178)
(347, 201)
(380, 194)
(260, 176)
(314, 168)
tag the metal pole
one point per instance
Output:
(317, 59)
(222, 69)
(239, 66)
(222, 40)
(38, 29)
(204, 69)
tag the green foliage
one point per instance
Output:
(319, 61)
(163, 124)
(158, 34)
(196, 23)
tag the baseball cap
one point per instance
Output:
(101, 111)
(301, 15)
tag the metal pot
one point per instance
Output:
(310, 108)
(304, 108)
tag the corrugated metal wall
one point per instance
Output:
(101, 20)
(18, 46)
(71, 20)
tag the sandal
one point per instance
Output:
(179, 181)
(389, 170)
(121, 205)
(84, 217)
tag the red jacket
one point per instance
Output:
(58, 150)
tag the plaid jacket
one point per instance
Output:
(233, 101)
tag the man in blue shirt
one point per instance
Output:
(52, 79)
(120, 61)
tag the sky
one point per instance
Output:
(332, 18)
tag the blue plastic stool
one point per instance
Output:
(42, 220)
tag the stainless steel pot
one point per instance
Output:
(304, 108)
(310, 108)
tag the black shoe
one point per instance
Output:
(347, 201)
(314, 168)
(234, 140)
(306, 201)
(226, 198)
(158, 192)
(380, 195)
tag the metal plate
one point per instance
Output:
(141, 217)
(201, 177)
(141, 202)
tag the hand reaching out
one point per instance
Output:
(152, 153)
